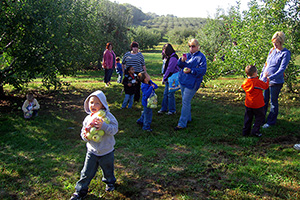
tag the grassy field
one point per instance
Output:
(42, 158)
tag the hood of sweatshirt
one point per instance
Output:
(248, 86)
(101, 96)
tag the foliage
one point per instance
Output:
(253, 32)
(147, 39)
(47, 38)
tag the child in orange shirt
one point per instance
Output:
(254, 101)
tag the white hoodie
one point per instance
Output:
(106, 145)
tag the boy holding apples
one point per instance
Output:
(98, 130)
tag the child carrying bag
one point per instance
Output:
(173, 82)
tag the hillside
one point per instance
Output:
(152, 20)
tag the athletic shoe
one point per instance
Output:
(297, 146)
(266, 126)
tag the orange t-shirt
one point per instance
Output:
(254, 92)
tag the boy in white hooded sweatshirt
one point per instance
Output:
(98, 153)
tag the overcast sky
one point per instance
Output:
(190, 8)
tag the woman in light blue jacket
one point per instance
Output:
(277, 61)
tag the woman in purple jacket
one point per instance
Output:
(277, 61)
(170, 68)
(108, 64)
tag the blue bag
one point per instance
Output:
(173, 82)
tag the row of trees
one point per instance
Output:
(50, 38)
(252, 31)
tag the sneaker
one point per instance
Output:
(148, 130)
(110, 187)
(256, 134)
(297, 146)
(139, 123)
(161, 112)
(171, 113)
(266, 126)
(178, 128)
(76, 196)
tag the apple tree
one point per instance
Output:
(253, 31)
(49, 38)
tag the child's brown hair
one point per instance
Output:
(141, 76)
(29, 96)
(250, 70)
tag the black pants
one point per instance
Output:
(137, 93)
(259, 114)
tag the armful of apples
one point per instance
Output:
(93, 130)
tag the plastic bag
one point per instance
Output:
(173, 82)
(152, 101)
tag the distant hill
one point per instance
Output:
(168, 22)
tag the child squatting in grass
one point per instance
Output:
(100, 149)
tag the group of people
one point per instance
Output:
(191, 68)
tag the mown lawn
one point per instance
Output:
(42, 158)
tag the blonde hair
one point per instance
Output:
(193, 42)
(279, 36)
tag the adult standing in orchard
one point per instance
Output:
(193, 68)
(135, 59)
(170, 68)
(108, 64)
(277, 61)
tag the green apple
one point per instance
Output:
(89, 136)
(96, 138)
(101, 132)
(93, 131)
(185, 69)
(102, 113)
(106, 120)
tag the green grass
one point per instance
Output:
(42, 158)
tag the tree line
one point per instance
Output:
(50, 38)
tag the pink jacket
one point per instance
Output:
(108, 59)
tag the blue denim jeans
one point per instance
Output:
(168, 100)
(91, 164)
(146, 118)
(187, 96)
(272, 93)
(128, 100)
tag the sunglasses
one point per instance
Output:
(192, 46)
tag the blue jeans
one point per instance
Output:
(272, 93)
(146, 118)
(128, 100)
(187, 96)
(168, 100)
(91, 164)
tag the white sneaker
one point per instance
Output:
(266, 126)
(297, 146)
(171, 113)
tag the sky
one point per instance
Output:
(184, 8)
